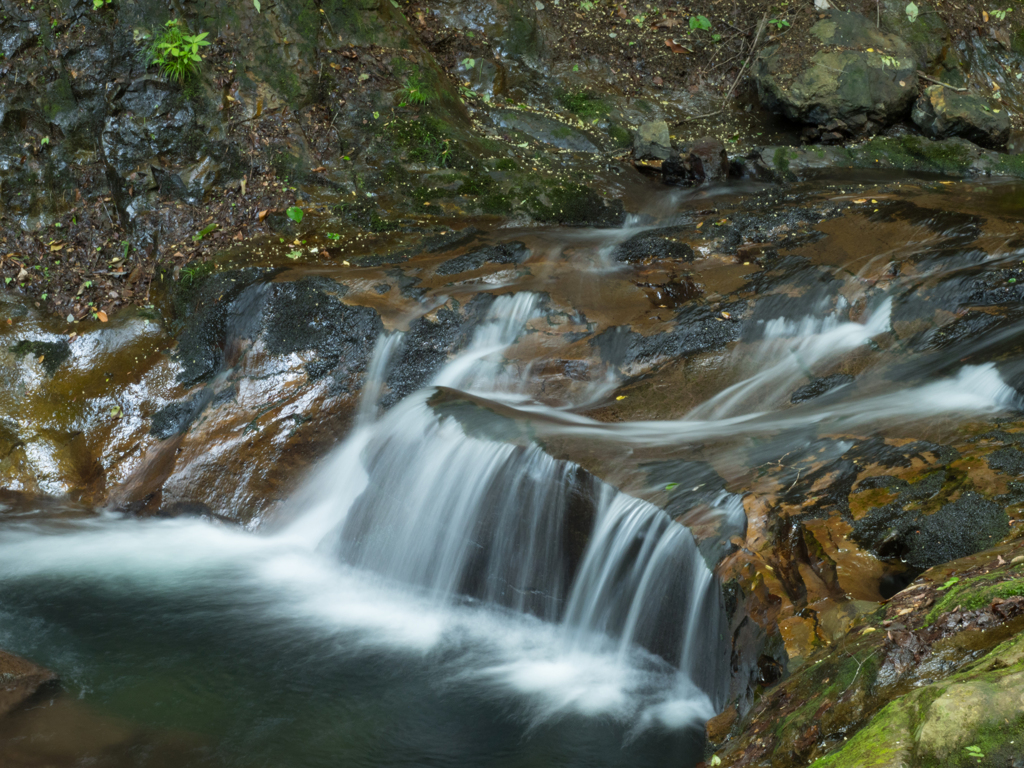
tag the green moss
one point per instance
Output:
(476, 183)
(781, 161)
(506, 164)
(424, 141)
(496, 204)
(572, 205)
(914, 153)
(975, 593)
(622, 137)
(58, 98)
(583, 104)
(882, 744)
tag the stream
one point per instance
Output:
(497, 569)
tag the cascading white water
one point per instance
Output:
(417, 501)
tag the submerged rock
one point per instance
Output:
(941, 112)
(19, 680)
(845, 75)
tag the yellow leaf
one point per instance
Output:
(622, 397)
(102, 316)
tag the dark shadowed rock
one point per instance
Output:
(705, 160)
(942, 113)
(503, 253)
(819, 387)
(655, 244)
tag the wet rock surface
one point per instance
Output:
(941, 112)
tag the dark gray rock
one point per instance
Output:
(704, 160)
(652, 141)
(943, 113)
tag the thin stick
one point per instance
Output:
(700, 117)
(753, 50)
(923, 76)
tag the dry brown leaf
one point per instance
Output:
(102, 316)
(984, 16)
(262, 215)
(22, 273)
(622, 14)
(56, 246)
(668, 23)
(676, 47)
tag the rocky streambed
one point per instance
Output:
(788, 319)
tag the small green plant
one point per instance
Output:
(333, 236)
(700, 22)
(779, 24)
(176, 53)
(671, 486)
(1000, 15)
(294, 254)
(975, 752)
(587, 5)
(256, 5)
(912, 12)
(97, 4)
(201, 233)
(415, 91)
(890, 61)
(295, 214)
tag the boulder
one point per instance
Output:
(843, 73)
(941, 112)
(924, 31)
(652, 141)
(704, 160)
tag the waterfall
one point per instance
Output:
(414, 499)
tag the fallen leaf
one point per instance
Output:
(622, 397)
(238, 236)
(668, 23)
(22, 274)
(984, 16)
(621, 13)
(676, 47)
(262, 215)
(657, 80)
(56, 246)
(860, 200)
(241, 185)
(102, 316)
(321, 169)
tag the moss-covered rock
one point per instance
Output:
(844, 70)
(941, 113)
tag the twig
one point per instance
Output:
(923, 76)
(700, 117)
(753, 51)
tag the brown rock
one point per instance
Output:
(19, 679)
(718, 727)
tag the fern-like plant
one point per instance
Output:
(176, 53)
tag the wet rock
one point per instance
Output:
(504, 253)
(704, 160)
(652, 141)
(547, 130)
(19, 680)
(51, 354)
(942, 113)
(309, 315)
(819, 387)
(844, 69)
(153, 119)
(427, 346)
(696, 329)
(576, 205)
(652, 245)
(204, 306)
